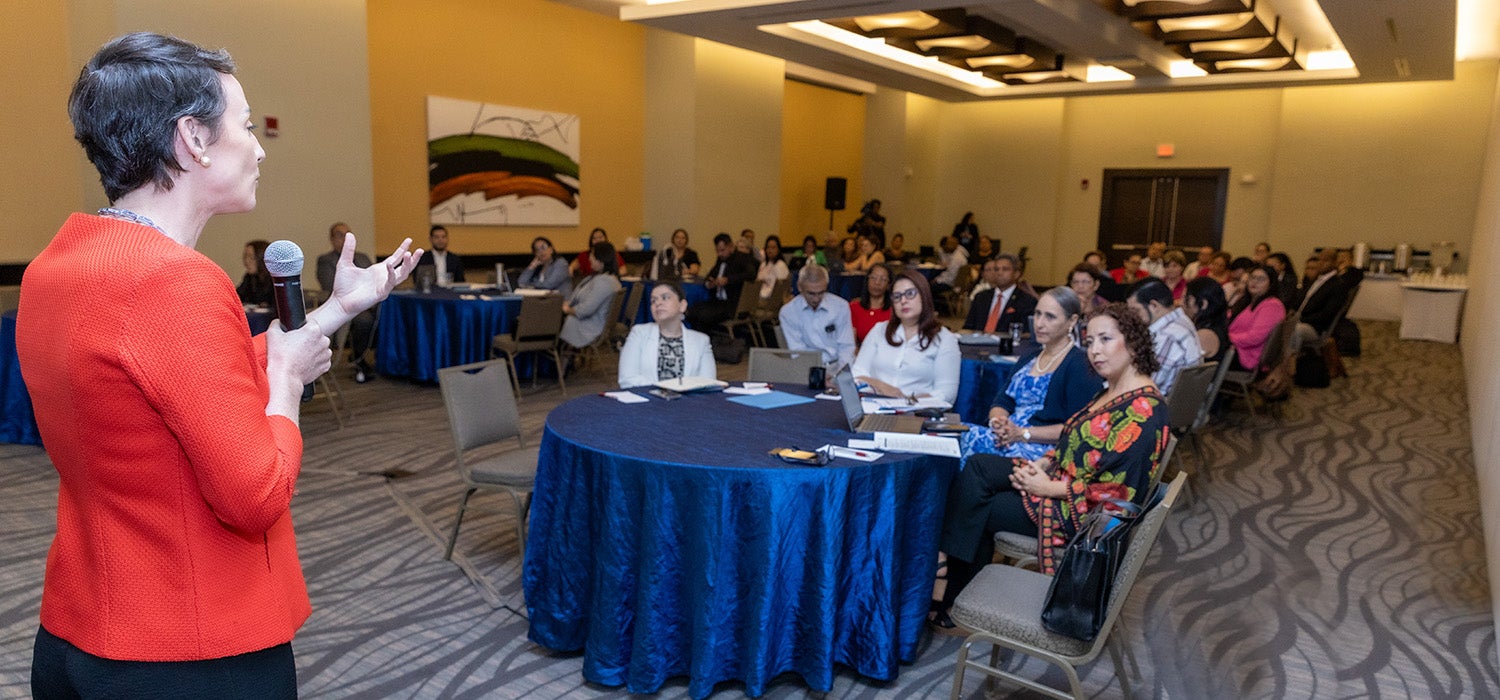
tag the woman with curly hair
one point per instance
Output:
(1110, 449)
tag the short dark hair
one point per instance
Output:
(1212, 306)
(1151, 289)
(543, 239)
(128, 98)
(444, 229)
(1136, 333)
(1015, 262)
(724, 238)
(1243, 263)
(672, 286)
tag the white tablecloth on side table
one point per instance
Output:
(1431, 312)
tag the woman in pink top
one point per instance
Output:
(1254, 319)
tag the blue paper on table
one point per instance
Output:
(771, 399)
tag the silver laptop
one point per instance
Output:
(861, 422)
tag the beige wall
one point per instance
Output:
(1481, 344)
(822, 136)
(737, 140)
(526, 53)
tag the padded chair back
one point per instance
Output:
(1213, 391)
(749, 299)
(779, 294)
(1189, 393)
(481, 405)
(540, 317)
(785, 366)
(1343, 311)
(612, 322)
(633, 303)
(1276, 346)
(1142, 541)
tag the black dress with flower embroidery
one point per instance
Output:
(1112, 451)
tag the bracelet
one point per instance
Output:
(1026, 435)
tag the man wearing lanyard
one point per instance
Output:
(994, 309)
(815, 320)
(724, 279)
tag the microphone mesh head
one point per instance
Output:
(284, 259)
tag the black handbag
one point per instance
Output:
(1078, 600)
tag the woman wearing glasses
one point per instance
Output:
(912, 354)
(1045, 386)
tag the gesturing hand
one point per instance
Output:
(356, 289)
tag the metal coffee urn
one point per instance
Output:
(1362, 255)
(1403, 258)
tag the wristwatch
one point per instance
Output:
(1026, 435)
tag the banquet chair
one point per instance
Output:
(769, 310)
(1187, 403)
(1003, 605)
(1021, 549)
(1240, 383)
(537, 326)
(957, 298)
(783, 366)
(482, 413)
(1330, 347)
(745, 311)
(632, 306)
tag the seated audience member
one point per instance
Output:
(546, 270)
(1285, 280)
(1155, 263)
(954, 258)
(1083, 279)
(1004, 303)
(1175, 338)
(773, 269)
(897, 252)
(866, 256)
(809, 253)
(1321, 300)
(1108, 287)
(1261, 254)
(1128, 272)
(676, 261)
(1349, 275)
(912, 354)
(870, 223)
(1218, 267)
(841, 258)
(586, 312)
(362, 326)
(817, 320)
(664, 349)
(1255, 319)
(724, 279)
(1199, 267)
(1234, 289)
(255, 287)
(874, 305)
(984, 249)
(1111, 448)
(1172, 268)
(581, 265)
(1043, 388)
(1203, 302)
(966, 232)
(450, 267)
(747, 239)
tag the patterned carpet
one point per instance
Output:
(1331, 552)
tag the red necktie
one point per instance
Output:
(994, 319)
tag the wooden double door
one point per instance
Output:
(1183, 208)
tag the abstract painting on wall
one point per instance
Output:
(497, 165)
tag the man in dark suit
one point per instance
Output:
(724, 278)
(1322, 299)
(1004, 303)
(450, 267)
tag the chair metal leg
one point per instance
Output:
(522, 505)
(958, 673)
(561, 370)
(515, 382)
(453, 538)
(1114, 655)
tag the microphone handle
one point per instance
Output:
(291, 310)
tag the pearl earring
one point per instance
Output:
(204, 161)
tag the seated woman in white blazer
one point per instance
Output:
(665, 349)
(912, 354)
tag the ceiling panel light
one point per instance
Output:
(1106, 74)
(1010, 60)
(1211, 23)
(1231, 46)
(898, 20)
(1185, 69)
(1254, 64)
(1156, 9)
(968, 42)
(1329, 59)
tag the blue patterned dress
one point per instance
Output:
(1030, 393)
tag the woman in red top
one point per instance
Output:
(173, 432)
(874, 305)
(583, 266)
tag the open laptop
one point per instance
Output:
(861, 422)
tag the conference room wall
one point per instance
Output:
(902, 162)
(525, 53)
(822, 136)
(1481, 347)
(41, 175)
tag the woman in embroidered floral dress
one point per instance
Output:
(1110, 449)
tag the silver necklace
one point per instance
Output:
(132, 217)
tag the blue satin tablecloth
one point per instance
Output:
(665, 542)
(979, 382)
(17, 422)
(418, 334)
(845, 286)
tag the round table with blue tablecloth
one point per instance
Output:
(420, 333)
(665, 541)
(17, 421)
(693, 291)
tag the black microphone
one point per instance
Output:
(284, 262)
